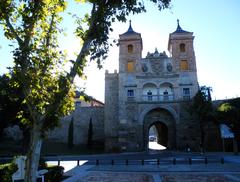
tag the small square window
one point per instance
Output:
(186, 91)
(78, 104)
(130, 93)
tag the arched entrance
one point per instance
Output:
(158, 136)
(165, 128)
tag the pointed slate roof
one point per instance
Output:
(130, 30)
(179, 28)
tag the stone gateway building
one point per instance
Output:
(154, 91)
(151, 91)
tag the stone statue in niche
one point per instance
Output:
(144, 67)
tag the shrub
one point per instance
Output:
(54, 174)
(6, 171)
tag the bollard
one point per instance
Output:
(58, 163)
(77, 162)
(97, 162)
(206, 160)
(142, 161)
(112, 162)
(126, 162)
(190, 161)
(174, 161)
(158, 161)
(222, 160)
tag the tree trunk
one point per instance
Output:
(235, 146)
(33, 154)
(202, 144)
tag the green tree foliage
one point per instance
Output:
(46, 89)
(202, 109)
(33, 28)
(90, 134)
(70, 134)
(229, 114)
(6, 171)
(9, 103)
(202, 104)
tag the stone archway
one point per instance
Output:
(165, 124)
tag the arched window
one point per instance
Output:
(130, 48)
(182, 47)
(150, 92)
(184, 65)
(166, 92)
(130, 66)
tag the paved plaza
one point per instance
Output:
(227, 170)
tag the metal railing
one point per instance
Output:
(158, 161)
(140, 161)
(152, 98)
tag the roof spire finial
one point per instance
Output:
(178, 26)
(130, 26)
(130, 29)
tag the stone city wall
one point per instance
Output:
(81, 118)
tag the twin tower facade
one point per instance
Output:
(151, 91)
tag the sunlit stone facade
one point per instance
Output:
(154, 90)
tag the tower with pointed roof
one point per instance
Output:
(180, 47)
(130, 50)
(151, 92)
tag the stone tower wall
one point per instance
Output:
(111, 110)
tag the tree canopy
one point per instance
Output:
(202, 104)
(10, 103)
(229, 113)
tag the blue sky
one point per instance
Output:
(216, 27)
